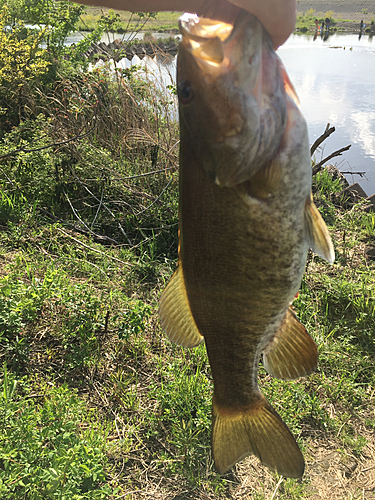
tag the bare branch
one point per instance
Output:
(97, 237)
(162, 170)
(94, 249)
(97, 212)
(156, 199)
(349, 172)
(328, 131)
(75, 212)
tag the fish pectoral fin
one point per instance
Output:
(288, 85)
(291, 353)
(265, 181)
(210, 50)
(256, 430)
(175, 314)
(317, 234)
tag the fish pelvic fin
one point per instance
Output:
(175, 313)
(318, 237)
(291, 353)
(255, 430)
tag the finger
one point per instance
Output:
(215, 9)
(277, 16)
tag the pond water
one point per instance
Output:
(335, 80)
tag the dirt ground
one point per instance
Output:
(331, 474)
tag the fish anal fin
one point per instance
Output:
(291, 353)
(265, 181)
(255, 430)
(175, 314)
(317, 234)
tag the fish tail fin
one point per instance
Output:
(256, 430)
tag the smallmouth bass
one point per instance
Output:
(247, 219)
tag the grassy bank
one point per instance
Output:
(306, 21)
(126, 21)
(96, 402)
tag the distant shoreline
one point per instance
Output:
(339, 10)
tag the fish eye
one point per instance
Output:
(185, 92)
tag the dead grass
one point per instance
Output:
(336, 475)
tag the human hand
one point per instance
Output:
(277, 16)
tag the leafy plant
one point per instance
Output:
(132, 321)
(45, 449)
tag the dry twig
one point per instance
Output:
(125, 263)
(319, 165)
(277, 487)
(328, 131)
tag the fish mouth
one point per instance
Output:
(204, 37)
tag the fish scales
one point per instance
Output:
(250, 283)
(246, 222)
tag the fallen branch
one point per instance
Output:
(125, 263)
(318, 167)
(349, 172)
(328, 131)
(98, 238)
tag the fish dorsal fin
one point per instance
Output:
(175, 314)
(292, 353)
(317, 234)
(258, 430)
(266, 181)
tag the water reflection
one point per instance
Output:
(336, 40)
(110, 37)
(334, 79)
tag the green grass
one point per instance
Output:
(168, 21)
(164, 21)
(306, 20)
(52, 445)
(102, 396)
